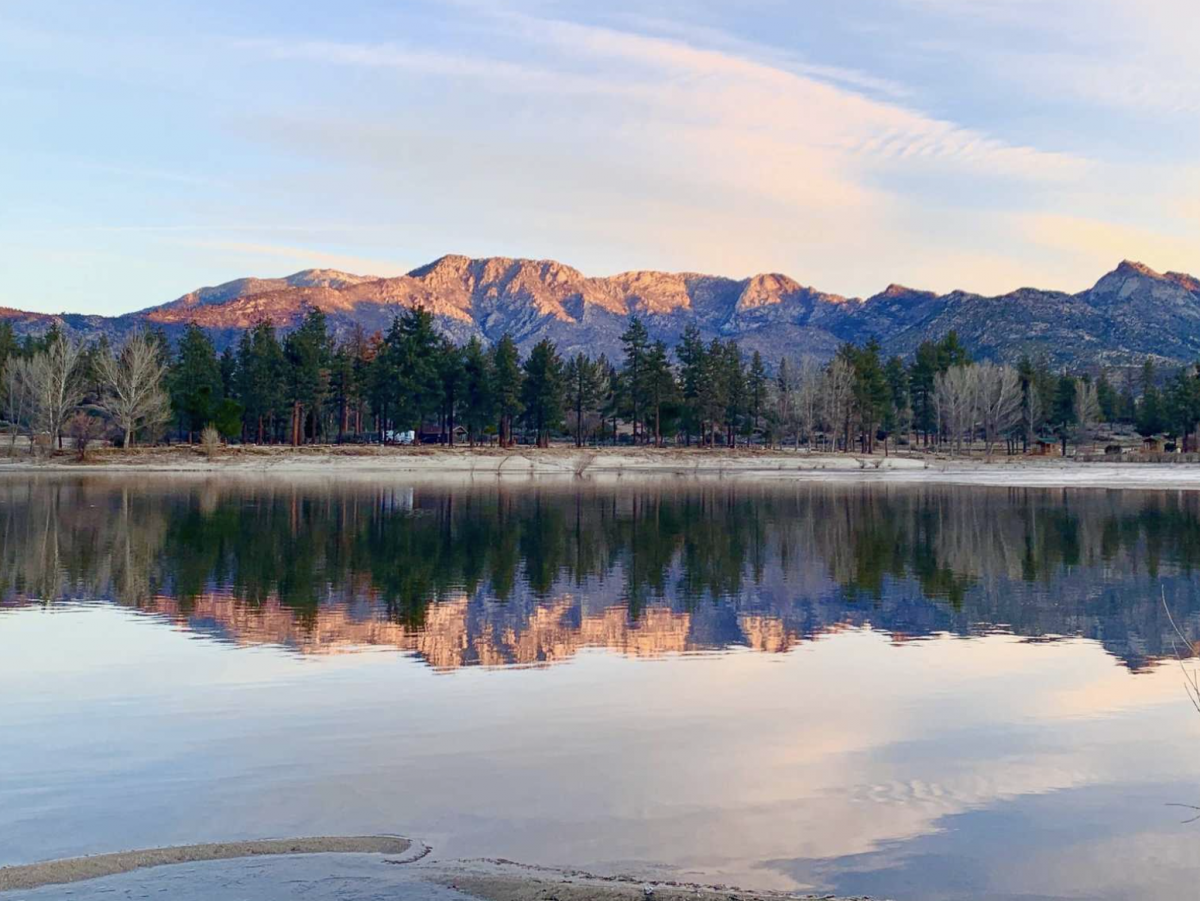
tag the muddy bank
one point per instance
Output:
(78, 869)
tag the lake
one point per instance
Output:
(915, 692)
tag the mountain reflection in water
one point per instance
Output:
(528, 574)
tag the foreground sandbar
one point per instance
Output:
(78, 869)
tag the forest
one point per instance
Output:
(310, 387)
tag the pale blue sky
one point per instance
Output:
(153, 147)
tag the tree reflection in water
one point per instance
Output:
(528, 573)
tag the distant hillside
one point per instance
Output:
(1131, 313)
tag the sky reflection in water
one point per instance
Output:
(914, 692)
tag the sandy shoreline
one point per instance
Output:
(350, 868)
(606, 464)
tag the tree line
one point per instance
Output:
(307, 386)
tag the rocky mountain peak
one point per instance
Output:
(894, 291)
(450, 267)
(326, 278)
(1132, 281)
(767, 289)
(1132, 267)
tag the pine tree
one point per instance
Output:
(756, 387)
(542, 391)
(342, 385)
(658, 382)
(1063, 409)
(585, 385)
(712, 390)
(451, 373)
(478, 408)
(259, 380)
(1149, 421)
(229, 371)
(636, 342)
(691, 353)
(898, 415)
(1107, 397)
(733, 383)
(8, 344)
(195, 381)
(307, 351)
(872, 394)
(506, 375)
(409, 375)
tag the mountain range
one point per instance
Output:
(1130, 314)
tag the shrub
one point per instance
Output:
(210, 441)
(84, 429)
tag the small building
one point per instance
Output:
(1042, 448)
(1151, 446)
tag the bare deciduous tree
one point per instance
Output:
(133, 386)
(954, 397)
(56, 385)
(998, 394)
(807, 403)
(837, 394)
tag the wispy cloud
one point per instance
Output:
(688, 86)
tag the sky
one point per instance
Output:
(149, 148)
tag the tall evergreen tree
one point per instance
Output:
(307, 351)
(259, 380)
(8, 344)
(713, 390)
(342, 384)
(635, 341)
(658, 382)
(756, 391)
(1107, 397)
(409, 372)
(478, 405)
(897, 417)
(452, 375)
(195, 381)
(872, 394)
(691, 355)
(1150, 412)
(505, 366)
(542, 391)
(585, 385)
(733, 383)
(1063, 409)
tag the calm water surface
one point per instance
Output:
(911, 692)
